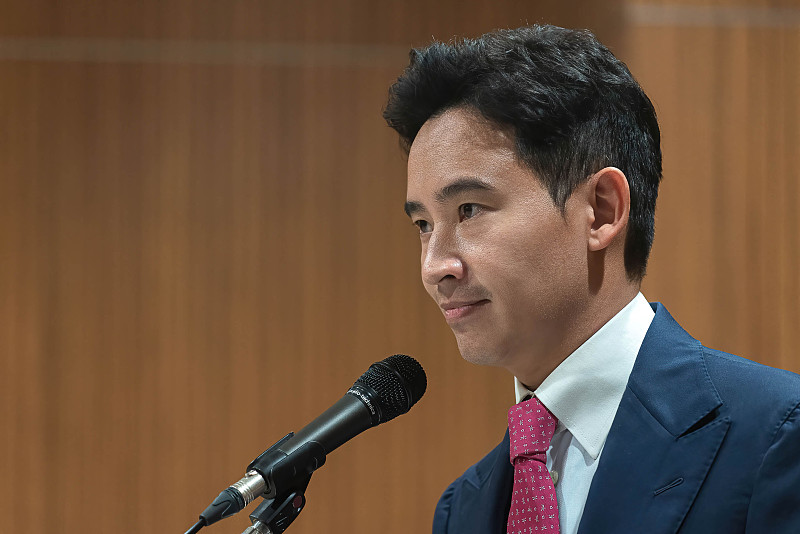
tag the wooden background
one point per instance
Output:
(202, 242)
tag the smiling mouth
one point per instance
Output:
(463, 310)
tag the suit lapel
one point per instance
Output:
(485, 495)
(664, 438)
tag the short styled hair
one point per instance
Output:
(573, 106)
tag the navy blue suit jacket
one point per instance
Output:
(703, 442)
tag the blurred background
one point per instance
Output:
(202, 241)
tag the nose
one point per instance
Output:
(441, 260)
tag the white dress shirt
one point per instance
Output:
(584, 393)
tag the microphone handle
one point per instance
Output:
(344, 420)
(293, 458)
(287, 463)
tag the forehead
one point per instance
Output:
(458, 144)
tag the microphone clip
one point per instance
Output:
(285, 466)
(273, 516)
(286, 484)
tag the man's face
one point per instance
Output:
(507, 269)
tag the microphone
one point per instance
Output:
(387, 389)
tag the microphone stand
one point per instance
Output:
(273, 516)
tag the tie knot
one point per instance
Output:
(530, 428)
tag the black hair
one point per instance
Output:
(574, 108)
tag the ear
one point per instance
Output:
(610, 200)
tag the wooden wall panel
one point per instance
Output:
(300, 21)
(726, 83)
(202, 246)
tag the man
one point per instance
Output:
(533, 170)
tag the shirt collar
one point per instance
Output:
(585, 390)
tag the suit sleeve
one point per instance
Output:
(775, 503)
(441, 516)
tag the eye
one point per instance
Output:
(468, 211)
(424, 226)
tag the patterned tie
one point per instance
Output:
(533, 503)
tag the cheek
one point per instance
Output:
(538, 264)
(431, 290)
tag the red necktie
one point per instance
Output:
(533, 502)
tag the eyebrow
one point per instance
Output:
(462, 185)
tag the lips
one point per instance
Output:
(458, 310)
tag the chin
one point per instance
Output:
(479, 355)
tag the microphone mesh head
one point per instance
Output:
(399, 381)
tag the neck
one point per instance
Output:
(567, 336)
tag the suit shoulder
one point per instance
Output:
(478, 472)
(462, 507)
(726, 366)
(737, 378)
